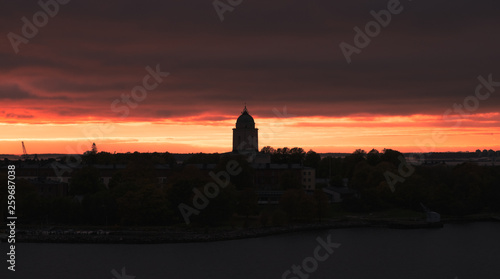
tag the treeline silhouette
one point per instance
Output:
(134, 197)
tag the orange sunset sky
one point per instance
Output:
(413, 88)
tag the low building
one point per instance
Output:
(338, 194)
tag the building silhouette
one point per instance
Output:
(245, 135)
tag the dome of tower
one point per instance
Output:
(245, 120)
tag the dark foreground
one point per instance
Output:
(206, 235)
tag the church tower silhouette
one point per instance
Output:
(245, 135)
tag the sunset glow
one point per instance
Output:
(322, 134)
(85, 69)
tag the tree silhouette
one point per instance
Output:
(312, 159)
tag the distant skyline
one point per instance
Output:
(70, 77)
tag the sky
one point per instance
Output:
(156, 76)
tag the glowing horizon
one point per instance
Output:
(322, 134)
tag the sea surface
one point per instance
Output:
(455, 251)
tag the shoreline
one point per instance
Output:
(157, 237)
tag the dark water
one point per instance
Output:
(456, 251)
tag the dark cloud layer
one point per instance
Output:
(13, 92)
(268, 54)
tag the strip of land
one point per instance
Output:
(139, 236)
